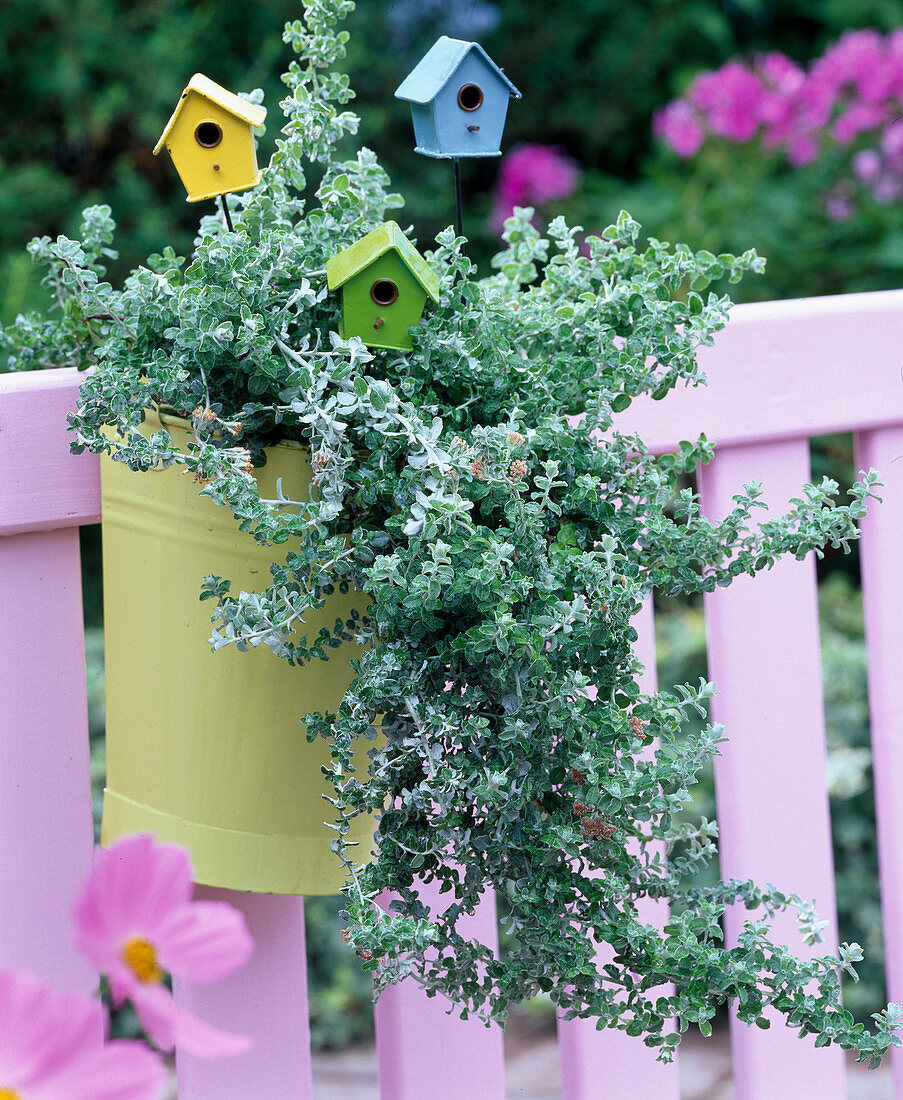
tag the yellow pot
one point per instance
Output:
(207, 749)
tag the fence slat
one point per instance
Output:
(763, 651)
(425, 1052)
(46, 833)
(770, 781)
(623, 1062)
(266, 999)
(882, 590)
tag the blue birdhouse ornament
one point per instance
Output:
(459, 100)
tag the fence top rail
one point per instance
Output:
(43, 486)
(780, 370)
(788, 370)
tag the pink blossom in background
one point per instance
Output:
(730, 98)
(679, 125)
(135, 921)
(854, 91)
(892, 141)
(895, 63)
(839, 206)
(780, 73)
(782, 80)
(854, 62)
(881, 169)
(888, 189)
(813, 106)
(52, 1048)
(802, 149)
(532, 175)
(867, 165)
(859, 118)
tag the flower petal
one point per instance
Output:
(134, 885)
(204, 941)
(170, 1025)
(153, 1005)
(121, 1070)
(42, 1030)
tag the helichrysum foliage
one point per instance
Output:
(478, 490)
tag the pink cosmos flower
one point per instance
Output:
(135, 920)
(52, 1048)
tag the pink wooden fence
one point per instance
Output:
(779, 374)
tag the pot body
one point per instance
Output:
(207, 749)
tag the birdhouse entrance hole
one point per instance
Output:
(470, 97)
(384, 292)
(208, 135)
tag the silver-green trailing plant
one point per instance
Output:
(478, 489)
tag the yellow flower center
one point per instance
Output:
(9, 1094)
(141, 958)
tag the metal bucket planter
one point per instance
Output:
(207, 749)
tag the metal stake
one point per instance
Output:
(459, 205)
(229, 224)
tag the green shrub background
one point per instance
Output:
(89, 85)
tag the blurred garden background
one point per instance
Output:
(727, 124)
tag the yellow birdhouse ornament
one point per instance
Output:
(210, 138)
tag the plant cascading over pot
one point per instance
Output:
(475, 487)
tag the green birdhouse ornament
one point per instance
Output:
(384, 283)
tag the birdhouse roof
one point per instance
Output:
(437, 66)
(354, 259)
(229, 101)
